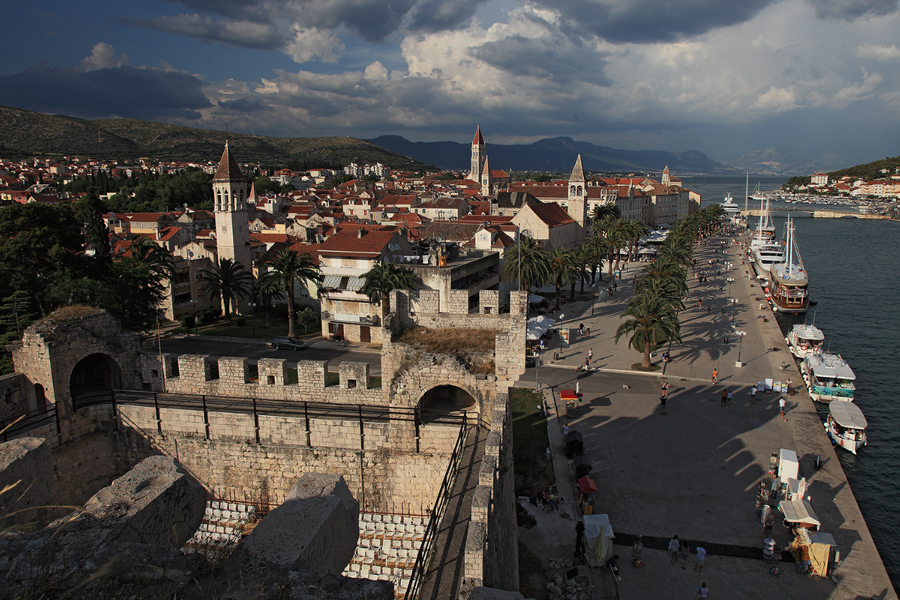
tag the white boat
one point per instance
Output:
(828, 377)
(804, 339)
(846, 426)
(765, 231)
(731, 207)
(757, 195)
(788, 280)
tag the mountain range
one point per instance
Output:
(26, 133)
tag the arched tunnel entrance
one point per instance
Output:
(444, 400)
(92, 379)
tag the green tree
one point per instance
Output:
(384, 278)
(595, 249)
(227, 280)
(527, 263)
(292, 267)
(89, 210)
(652, 322)
(560, 270)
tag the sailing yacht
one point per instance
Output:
(766, 251)
(788, 281)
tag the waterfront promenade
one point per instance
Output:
(694, 472)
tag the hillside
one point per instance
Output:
(26, 133)
(868, 171)
(556, 154)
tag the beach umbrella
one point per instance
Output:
(586, 485)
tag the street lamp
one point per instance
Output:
(559, 331)
(537, 363)
(740, 335)
(252, 319)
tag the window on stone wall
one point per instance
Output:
(351, 383)
(270, 379)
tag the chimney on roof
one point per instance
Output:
(360, 233)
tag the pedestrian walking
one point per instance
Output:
(683, 552)
(715, 375)
(590, 355)
(729, 398)
(662, 403)
(724, 396)
(708, 310)
(781, 405)
(790, 388)
(752, 394)
(674, 544)
(701, 556)
(615, 286)
(703, 592)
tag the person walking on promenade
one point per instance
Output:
(781, 405)
(715, 375)
(590, 355)
(662, 403)
(729, 398)
(703, 592)
(683, 551)
(674, 544)
(724, 396)
(790, 388)
(701, 556)
(753, 394)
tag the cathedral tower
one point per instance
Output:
(478, 156)
(577, 197)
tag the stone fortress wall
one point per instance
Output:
(257, 453)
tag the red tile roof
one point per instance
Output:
(551, 214)
(348, 243)
(228, 167)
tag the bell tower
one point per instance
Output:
(230, 198)
(577, 196)
(478, 156)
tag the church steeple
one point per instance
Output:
(478, 156)
(230, 200)
(577, 197)
(666, 178)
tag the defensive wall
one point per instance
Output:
(250, 435)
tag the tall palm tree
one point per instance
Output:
(560, 270)
(384, 278)
(527, 263)
(266, 289)
(653, 321)
(580, 273)
(292, 267)
(157, 259)
(602, 211)
(228, 280)
(635, 231)
(595, 248)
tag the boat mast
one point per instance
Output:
(746, 192)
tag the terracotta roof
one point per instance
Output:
(489, 219)
(451, 231)
(478, 141)
(228, 167)
(371, 244)
(552, 214)
(269, 238)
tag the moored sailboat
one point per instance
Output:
(788, 280)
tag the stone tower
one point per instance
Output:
(577, 197)
(487, 182)
(478, 156)
(230, 198)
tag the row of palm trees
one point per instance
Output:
(652, 313)
(533, 266)
(231, 282)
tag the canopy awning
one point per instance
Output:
(848, 415)
(343, 282)
(538, 326)
(799, 512)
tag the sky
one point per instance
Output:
(725, 77)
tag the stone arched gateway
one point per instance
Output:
(443, 400)
(93, 377)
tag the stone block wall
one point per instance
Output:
(491, 553)
(194, 375)
(16, 396)
(458, 302)
(25, 464)
(489, 302)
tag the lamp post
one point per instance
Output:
(740, 335)
(194, 315)
(252, 320)
(537, 364)
(559, 331)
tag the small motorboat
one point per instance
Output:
(804, 339)
(846, 426)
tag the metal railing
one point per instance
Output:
(15, 427)
(440, 503)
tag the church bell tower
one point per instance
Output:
(230, 198)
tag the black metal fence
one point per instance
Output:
(431, 530)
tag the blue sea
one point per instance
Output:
(853, 267)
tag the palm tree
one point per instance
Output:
(266, 289)
(291, 267)
(614, 234)
(676, 249)
(384, 278)
(580, 263)
(157, 259)
(227, 280)
(527, 263)
(595, 248)
(653, 321)
(635, 231)
(602, 211)
(560, 270)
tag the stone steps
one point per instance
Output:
(222, 527)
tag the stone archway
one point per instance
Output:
(94, 375)
(443, 400)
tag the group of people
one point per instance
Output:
(681, 550)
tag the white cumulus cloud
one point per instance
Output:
(103, 57)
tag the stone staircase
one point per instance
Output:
(387, 548)
(221, 529)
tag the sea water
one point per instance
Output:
(854, 278)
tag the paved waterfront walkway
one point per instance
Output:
(694, 472)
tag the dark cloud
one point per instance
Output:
(243, 33)
(557, 61)
(244, 105)
(849, 10)
(122, 92)
(439, 15)
(651, 21)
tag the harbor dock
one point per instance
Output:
(695, 471)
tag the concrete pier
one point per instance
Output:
(694, 472)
